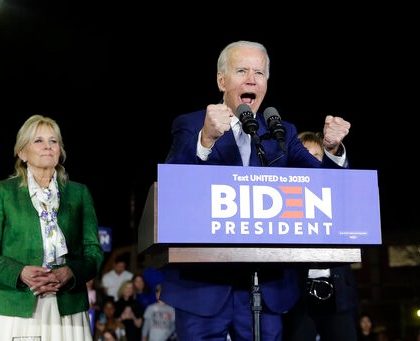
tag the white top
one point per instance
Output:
(112, 281)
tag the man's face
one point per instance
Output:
(119, 267)
(245, 80)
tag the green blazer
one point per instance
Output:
(21, 244)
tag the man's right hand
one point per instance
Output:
(216, 123)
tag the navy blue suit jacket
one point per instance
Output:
(345, 288)
(203, 290)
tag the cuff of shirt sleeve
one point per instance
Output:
(202, 152)
(341, 158)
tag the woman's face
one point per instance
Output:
(109, 309)
(43, 151)
(128, 290)
(139, 283)
(365, 323)
(315, 149)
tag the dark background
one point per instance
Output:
(115, 74)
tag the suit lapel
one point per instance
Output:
(227, 150)
(26, 203)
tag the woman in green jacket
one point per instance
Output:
(49, 245)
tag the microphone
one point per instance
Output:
(277, 131)
(246, 117)
(250, 126)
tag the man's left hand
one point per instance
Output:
(335, 129)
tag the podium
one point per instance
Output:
(223, 214)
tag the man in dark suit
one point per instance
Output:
(329, 301)
(327, 307)
(211, 300)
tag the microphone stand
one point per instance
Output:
(260, 149)
(256, 307)
(281, 143)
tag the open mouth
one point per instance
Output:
(248, 97)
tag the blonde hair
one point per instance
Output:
(123, 286)
(311, 136)
(25, 135)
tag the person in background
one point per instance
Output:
(128, 311)
(365, 331)
(109, 335)
(328, 304)
(213, 301)
(142, 292)
(312, 141)
(49, 246)
(95, 296)
(113, 279)
(108, 321)
(159, 321)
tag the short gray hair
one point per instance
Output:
(224, 55)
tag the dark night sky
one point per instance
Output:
(94, 66)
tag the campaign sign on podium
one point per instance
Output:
(263, 206)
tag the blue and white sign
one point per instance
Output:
(265, 205)
(105, 238)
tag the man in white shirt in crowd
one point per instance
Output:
(112, 280)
